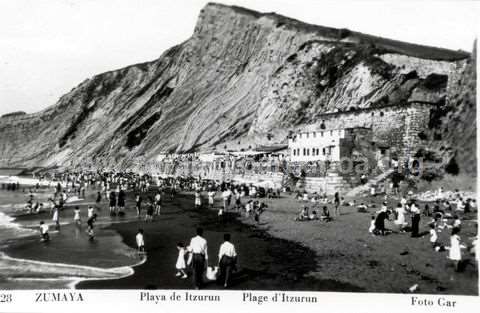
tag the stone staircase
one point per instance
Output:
(362, 189)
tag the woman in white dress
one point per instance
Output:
(400, 221)
(455, 253)
(56, 218)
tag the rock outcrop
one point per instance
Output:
(243, 78)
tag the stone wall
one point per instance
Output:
(394, 126)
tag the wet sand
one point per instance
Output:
(264, 262)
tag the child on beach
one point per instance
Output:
(180, 265)
(44, 231)
(76, 217)
(140, 241)
(455, 253)
(90, 221)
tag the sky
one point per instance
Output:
(47, 47)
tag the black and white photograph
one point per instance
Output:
(283, 146)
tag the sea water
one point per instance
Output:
(18, 273)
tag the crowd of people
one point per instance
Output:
(401, 213)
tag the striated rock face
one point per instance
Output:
(242, 79)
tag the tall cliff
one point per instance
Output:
(243, 78)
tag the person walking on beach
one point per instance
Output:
(198, 199)
(113, 203)
(138, 204)
(180, 265)
(121, 202)
(56, 218)
(140, 241)
(90, 212)
(227, 259)
(158, 203)
(99, 198)
(44, 231)
(76, 217)
(198, 248)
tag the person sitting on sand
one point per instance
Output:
(303, 214)
(180, 265)
(259, 209)
(362, 208)
(44, 231)
(140, 241)
(325, 214)
(313, 216)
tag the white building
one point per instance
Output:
(325, 144)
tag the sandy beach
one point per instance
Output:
(277, 253)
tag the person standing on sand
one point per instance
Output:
(138, 204)
(227, 258)
(198, 248)
(211, 198)
(198, 199)
(140, 241)
(113, 203)
(121, 202)
(415, 219)
(158, 203)
(99, 197)
(455, 252)
(337, 203)
(76, 217)
(56, 218)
